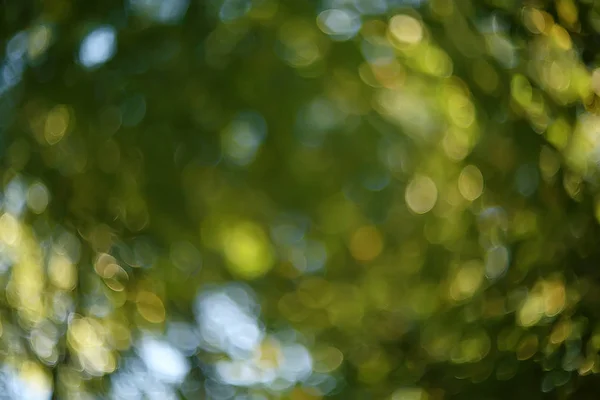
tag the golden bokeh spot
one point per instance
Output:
(327, 359)
(85, 332)
(547, 298)
(567, 11)
(38, 197)
(555, 297)
(366, 243)
(406, 29)
(115, 277)
(467, 280)
(521, 90)
(531, 311)
(39, 40)
(460, 109)
(561, 37)
(549, 163)
(10, 231)
(470, 183)
(524, 223)
(120, 334)
(537, 21)
(135, 213)
(150, 307)
(268, 355)
(25, 290)
(561, 332)
(556, 76)
(558, 133)
(57, 122)
(527, 347)
(304, 45)
(473, 347)
(573, 185)
(103, 263)
(409, 394)
(588, 366)
(390, 75)
(456, 143)
(435, 61)
(367, 75)
(595, 81)
(35, 377)
(62, 272)
(421, 194)
(247, 250)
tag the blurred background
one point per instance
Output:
(284, 199)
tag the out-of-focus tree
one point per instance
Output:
(273, 199)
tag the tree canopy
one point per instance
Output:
(283, 199)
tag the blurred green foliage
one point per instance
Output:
(273, 199)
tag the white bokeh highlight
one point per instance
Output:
(98, 47)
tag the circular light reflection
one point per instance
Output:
(421, 194)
